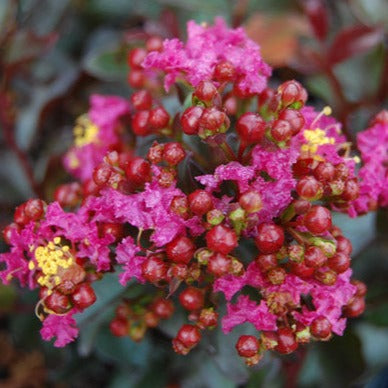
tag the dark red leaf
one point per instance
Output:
(316, 11)
(353, 41)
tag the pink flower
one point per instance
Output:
(275, 190)
(373, 145)
(126, 254)
(95, 134)
(231, 284)
(149, 210)
(246, 310)
(328, 302)
(206, 46)
(63, 327)
(232, 171)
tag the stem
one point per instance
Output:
(292, 369)
(229, 153)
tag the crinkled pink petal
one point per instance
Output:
(246, 310)
(231, 284)
(126, 254)
(206, 46)
(63, 327)
(232, 171)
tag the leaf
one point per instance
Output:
(318, 17)
(277, 35)
(122, 350)
(353, 41)
(374, 344)
(105, 57)
(361, 231)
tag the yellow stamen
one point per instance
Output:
(49, 259)
(85, 132)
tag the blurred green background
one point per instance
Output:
(55, 53)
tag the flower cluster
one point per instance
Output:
(230, 202)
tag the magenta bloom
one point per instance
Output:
(246, 310)
(207, 46)
(61, 327)
(275, 192)
(126, 254)
(329, 301)
(373, 145)
(94, 134)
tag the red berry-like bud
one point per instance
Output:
(301, 270)
(163, 308)
(339, 263)
(119, 327)
(270, 237)
(309, 188)
(9, 230)
(219, 264)
(136, 79)
(324, 172)
(154, 43)
(314, 257)
(276, 275)
(221, 239)
(34, 209)
(251, 127)
(295, 119)
(286, 341)
(247, 346)
(180, 205)
(208, 318)
(318, 220)
(57, 302)
(281, 130)
(83, 296)
(351, 190)
(354, 308)
(89, 187)
(301, 206)
(251, 201)
(361, 287)
(173, 153)
(320, 328)
(154, 269)
(190, 119)
(20, 216)
(212, 119)
(326, 276)
(151, 319)
(101, 175)
(180, 250)
(140, 123)
(224, 72)
(189, 336)
(158, 118)
(292, 92)
(136, 57)
(205, 91)
(200, 202)
(191, 299)
(266, 262)
(141, 100)
(155, 153)
(69, 194)
(344, 245)
(230, 105)
(341, 171)
(138, 171)
(114, 229)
